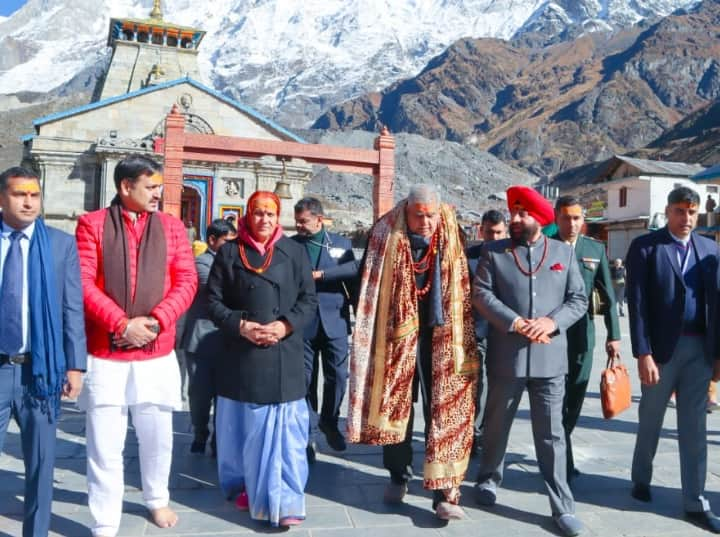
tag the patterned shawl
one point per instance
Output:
(384, 350)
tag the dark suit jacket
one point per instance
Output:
(333, 310)
(285, 290)
(70, 297)
(473, 257)
(199, 328)
(656, 294)
(595, 270)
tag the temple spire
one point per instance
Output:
(156, 12)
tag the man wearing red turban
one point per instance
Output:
(530, 290)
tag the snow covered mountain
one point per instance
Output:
(293, 59)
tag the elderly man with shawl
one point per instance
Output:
(414, 335)
(42, 335)
(139, 277)
(261, 295)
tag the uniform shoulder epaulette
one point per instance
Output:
(593, 239)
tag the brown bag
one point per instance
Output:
(614, 388)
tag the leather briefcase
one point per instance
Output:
(615, 391)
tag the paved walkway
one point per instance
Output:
(345, 490)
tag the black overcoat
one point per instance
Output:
(285, 290)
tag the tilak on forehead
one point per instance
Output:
(267, 201)
(424, 207)
(156, 178)
(686, 205)
(28, 185)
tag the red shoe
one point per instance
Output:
(288, 521)
(242, 502)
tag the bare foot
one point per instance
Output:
(164, 517)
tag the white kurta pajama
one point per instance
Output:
(149, 390)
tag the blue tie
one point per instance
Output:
(11, 294)
(683, 251)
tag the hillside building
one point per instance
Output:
(635, 198)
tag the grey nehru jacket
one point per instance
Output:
(502, 293)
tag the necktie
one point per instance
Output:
(11, 294)
(682, 249)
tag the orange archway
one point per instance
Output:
(179, 146)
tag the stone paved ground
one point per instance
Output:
(344, 492)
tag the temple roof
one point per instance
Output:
(256, 116)
(158, 25)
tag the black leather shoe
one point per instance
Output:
(641, 492)
(334, 437)
(198, 446)
(311, 452)
(704, 519)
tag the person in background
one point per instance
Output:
(326, 335)
(42, 335)
(493, 227)
(201, 340)
(191, 232)
(617, 275)
(261, 295)
(710, 204)
(138, 276)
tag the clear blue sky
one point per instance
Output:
(8, 7)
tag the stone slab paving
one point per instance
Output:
(345, 490)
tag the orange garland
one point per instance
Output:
(247, 265)
(531, 271)
(425, 264)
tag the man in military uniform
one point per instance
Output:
(595, 271)
(530, 290)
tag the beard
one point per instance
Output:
(521, 233)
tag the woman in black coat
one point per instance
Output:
(261, 295)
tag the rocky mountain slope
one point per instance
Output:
(293, 60)
(552, 109)
(466, 176)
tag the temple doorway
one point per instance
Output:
(191, 213)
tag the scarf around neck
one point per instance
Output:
(46, 338)
(150, 268)
(246, 237)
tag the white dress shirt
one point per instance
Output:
(5, 232)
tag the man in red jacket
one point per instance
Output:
(138, 276)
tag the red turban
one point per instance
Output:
(532, 201)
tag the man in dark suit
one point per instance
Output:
(530, 290)
(327, 333)
(594, 267)
(492, 228)
(672, 289)
(201, 339)
(42, 335)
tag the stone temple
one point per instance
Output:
(153, 67)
